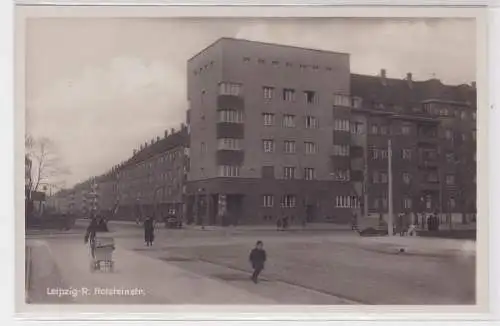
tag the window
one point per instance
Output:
(405, 130)
(356, 102)
(432, 177)
(406, 178)
(315, 67)
(246, 59)
(261, 61)
(268, 92)
(450, 179)
(230, 89)
(229, 144)
(341, 150)
(341, 175)
(452, 203)
(232, 116)
(378, 153)
(341, 125)
(288, 95)
(268, 145)
(268, 119)
(384, 202)
(289, 64)
(450, 157)
(268, 201)
(289, 172)
(289, 146)
(303, 67)
(310, 147)
(229, 171)
(344, 201)
(288, 121)
(309, 174)
(463, 115)
(341, 100)
(384, 130)
(383, 177)
(288, 201)
(407, 203)
(311, 122)
(357, 128)
(448, 134)
(310, 97)
(374, 129)
(406, 154)
(275, 63)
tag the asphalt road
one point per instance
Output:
(313, 266)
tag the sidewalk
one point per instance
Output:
(436, 247)
(147, 280)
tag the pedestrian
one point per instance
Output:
(90, 235)
(257, 259)
(278, 224)
(149, 231)
(354, 222)
(285, 223)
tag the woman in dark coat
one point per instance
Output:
(149, 231)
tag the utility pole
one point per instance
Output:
(391, 217)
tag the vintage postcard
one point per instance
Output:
(251, 159)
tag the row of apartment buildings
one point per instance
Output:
(278, 131)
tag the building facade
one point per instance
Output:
(262, 134)
(151, 182)
(279, 131)
(432, 128)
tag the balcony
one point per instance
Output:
(428, 163)
(430, 186)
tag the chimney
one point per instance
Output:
(157, 138)
(152, 141)
(135, 151)
(409, 79)
(140, 147)
(166, 133)
(383, 76)
(172, 130)
(473, 84)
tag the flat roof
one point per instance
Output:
(265, 43)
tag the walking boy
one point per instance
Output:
(257, 258)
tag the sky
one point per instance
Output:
(99, 87)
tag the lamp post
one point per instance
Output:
(390, 195)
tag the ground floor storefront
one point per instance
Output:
(246, 201)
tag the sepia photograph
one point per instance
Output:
(250, 161)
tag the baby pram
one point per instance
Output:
(102, 254)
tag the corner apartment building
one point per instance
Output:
(280, 131)
(263, 146)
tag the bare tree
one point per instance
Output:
(47, 166)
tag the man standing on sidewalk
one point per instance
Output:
(257, 258)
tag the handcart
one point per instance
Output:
(102, 254)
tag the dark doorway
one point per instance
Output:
(310, 213)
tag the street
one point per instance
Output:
(193, 266)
